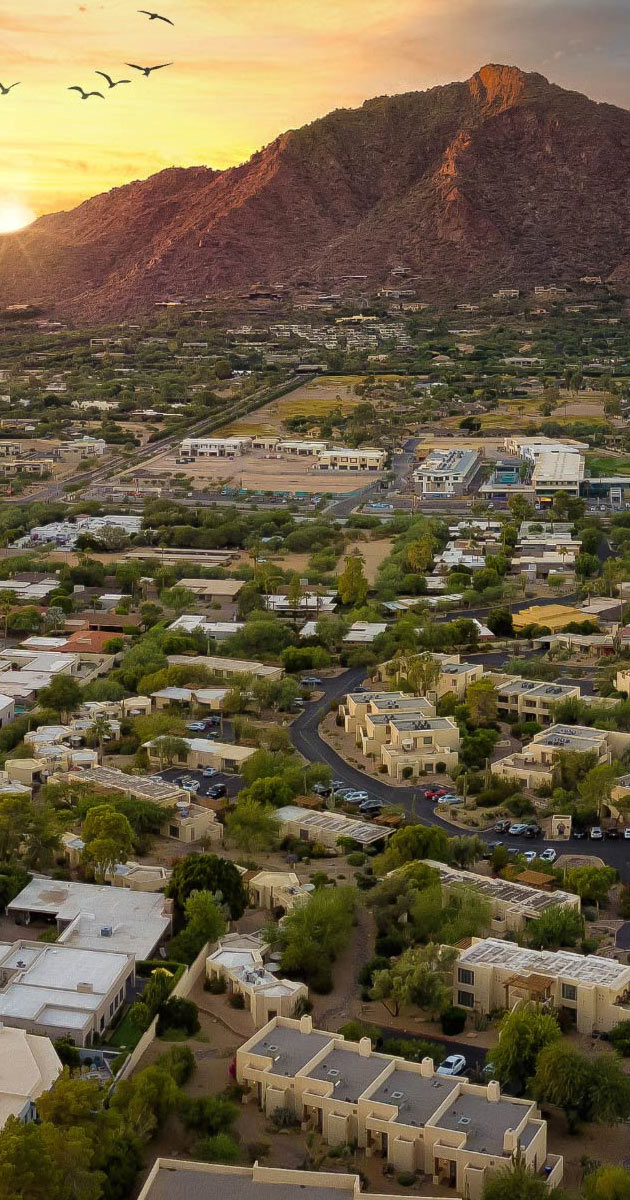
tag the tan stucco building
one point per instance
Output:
(513, 905)
(534, 765)
(593, 992)
(239, 959)
(456, 1132)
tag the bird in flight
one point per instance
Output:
(112, 82)
(153, 16)
(85, 95)
(146, 71)
(5, 90)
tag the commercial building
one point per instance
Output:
(531, 448)
(558, 471)
(308, 825)
(29, 1065)
(62, 991)
(513, 905)
(591, 992)
(455, 1132)
(535, 764)
(343, 459)
(92, 917)
(211, 447)
(447, 472)
(176, 1179)
(531, 701)
(239, 959)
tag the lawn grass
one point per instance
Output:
(126, 1035)
(607, 464)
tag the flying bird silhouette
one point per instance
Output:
(153, 16)
(112, 82)
(85, 95)
(146, 71)
(5, 90)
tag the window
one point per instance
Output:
(464, 976)
(466, 999)
(569, 991)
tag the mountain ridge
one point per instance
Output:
(502, 178)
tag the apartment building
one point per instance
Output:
(592, 992)
(534, 765)
(277, 891)
(528, 700)
(239, 960)
(455, 1132)
(456, 678)
(326, 828)
(62, 991)
(202, 752)
(177, 1179)
(357, 705)
(513, 905)
(209, 698)
(447, 472)
(415, 744)
(224, 668)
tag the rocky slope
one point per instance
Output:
(503, 179)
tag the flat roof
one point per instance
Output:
(517, 895)
(137, 920)
(419, 1098)
(185, 1181)
(483, 1122)
(360, 831)
(216, 663)
(289, 1049)
(584, 968)
(143, 786)
(349, 1072)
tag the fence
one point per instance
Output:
(182, 989)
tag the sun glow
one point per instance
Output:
(14, 215)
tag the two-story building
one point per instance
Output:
(535, 764)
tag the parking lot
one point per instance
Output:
(233, 783)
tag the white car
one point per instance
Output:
(596, 833)
(357, 795)
(626, 833)
(549, 855)
(454, 1064)
(530, 856)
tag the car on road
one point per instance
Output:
(453, 1064)
(502, 826)
(518, 829)
(217, 791)
(596, 833)
(549, 855)
(209, 772)
(310, 681)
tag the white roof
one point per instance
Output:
(44, 988)
(584, 968)
(365, 631)
(138, 920)
(29, 1065)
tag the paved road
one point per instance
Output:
(306, 738)
(475, 1055)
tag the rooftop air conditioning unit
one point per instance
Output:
(107, 931)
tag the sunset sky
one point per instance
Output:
(247, 69)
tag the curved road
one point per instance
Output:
(306, 738)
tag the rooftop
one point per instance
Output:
(136, 921)
(415, 1096)
(145, 787)
(584, 968)
(289, 1049)
(349, 1072)
(176, 1180)
(517, 895)
(28, 1066)
(57, 986)
(360, 831)
(483, 1123)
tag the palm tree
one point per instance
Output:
(8, 601)
(101, 730)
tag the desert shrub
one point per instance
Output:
(177, 1014)
(453, 1020)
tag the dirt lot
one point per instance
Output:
(259, 471)
(316, 399)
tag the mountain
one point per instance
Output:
(504, 179)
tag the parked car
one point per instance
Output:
(321, 789)
(579, 832)
(517, 829)
(217, 791)
(372, 805)
(453, 1064)
(549, 855)
(503, 825)
(626, 833)
(191, 785)
(533, 831)
(450, 799)
(336, 784)
(596, 833)
(530, 856)
(309, 681)
(359, 794)
(209, 772)
(196, 726)
(613, 832)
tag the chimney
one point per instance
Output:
(510, 1142)
(493, 1091)
(306, 1024)
(426, 1068)
(365, 1047)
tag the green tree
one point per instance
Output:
(208, 872)
(481, 701)
(586, 1088)
(352, 584)
(205, 922)
(252, 827)
(178, 599)
(63, 695)
(423, 975)
(150, 614)
(607, 1183)
(592, 884)
(311, 936)
(516, 1182)
(101, 729)
(555, 928)
(170, 749)
(108, 838)
(523, 1033)
(596, 787)
(414, 841)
